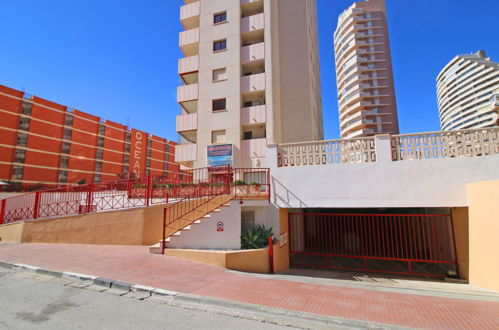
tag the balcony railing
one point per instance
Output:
(189, 15)
(253, 53)
(188, 64)
(252, 23)
(187, 122)
(385, 148)
(253, 148)
(186, 152)
(253, 83)
(446, 144)
(187, 93)
(253, 115)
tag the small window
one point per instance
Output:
(17, 172)
(127, 147)
(248, 135)
(68, 132)
(219, 45)
(128, 137)
(99, 154)
(102, 129)
(66, 147)
(22, 139)
(63, 176)
(64, 162)
(68, 120)
(219, 105)
(218, 137)
(98, 178)
(20, 156)
(98, 166)
(220, 18)
(126, 159)
(220, 74)
(27, 108)
(24, 123)
(148, 162)
(100, 141)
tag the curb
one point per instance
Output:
(246, 310)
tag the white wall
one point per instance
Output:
(205, 235)
(416, 183)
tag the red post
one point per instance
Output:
(90, 198)
(148, 190)
(271, 255)
(2, 210)
(36, 208)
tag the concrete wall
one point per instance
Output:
(281, 249)
(418, 183)
(130, 227)
(484, 234)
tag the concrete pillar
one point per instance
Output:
(383, 148)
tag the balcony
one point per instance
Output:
(187, 126)
(251, 7)
(187, 96)
(252, 23)
(253, 53)
(254, 115)
(189, 42)
(253, 148)
(253, 83)
(186, 153)
(189, 15)
(188, 68)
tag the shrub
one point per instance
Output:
(238, 183)
(256, 237)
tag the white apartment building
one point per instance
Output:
(366, 93)
(468, 92)
(250, 76)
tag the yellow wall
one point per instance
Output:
(129, 227)
(216, 258)
(12, 232)
(461, 237)
(483, 199)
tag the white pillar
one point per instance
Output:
(383, 148)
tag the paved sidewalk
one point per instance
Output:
(136, 265)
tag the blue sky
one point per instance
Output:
(118, 59)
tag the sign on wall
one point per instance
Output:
(220, 226)
(220, 155)
(138, 152)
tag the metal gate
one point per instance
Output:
(387, 243)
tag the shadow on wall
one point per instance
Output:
(283, 196)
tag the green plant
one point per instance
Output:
(238, 183)
(34, 187)
(82, 182)
(256, 237)
(12, 186)
(255, 184)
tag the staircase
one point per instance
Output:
(188, 212)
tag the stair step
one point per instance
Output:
(207, 216)
(177, 233)
(197, 222)
(187, 227)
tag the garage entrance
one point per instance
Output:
(411, 244)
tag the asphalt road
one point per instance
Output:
(34, 301)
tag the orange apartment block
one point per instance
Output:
(45, 142)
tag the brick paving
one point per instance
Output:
(134, 264)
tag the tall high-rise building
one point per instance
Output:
(366, 93)
(250, 76)
(468, 92)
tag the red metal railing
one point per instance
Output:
(392, 243)
(132, 192)
(208, 184)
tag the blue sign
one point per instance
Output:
(220, 155)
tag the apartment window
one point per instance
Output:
(165, 168)
(126, 159)
(219, 45)
(148, 172)
(220, 74)
(219, 105)
(27, 108)
(102, 129)
(127, 148)
(22, 139)
(128, 137)
(125, 168)
(248, 136)
(63, 176)
(17, 172)
(100, 141)
(99, 154)
(218, 137)
(24, 123)
(64, 163)
(148, 163)
(220, 18)
(68, 132)
(66, 147)
(98, 166)
(20, 156)
(68, 120)
(98, 178)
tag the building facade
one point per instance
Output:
(250, 76)
(468, 92)
(45, 142)
(366, 93)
